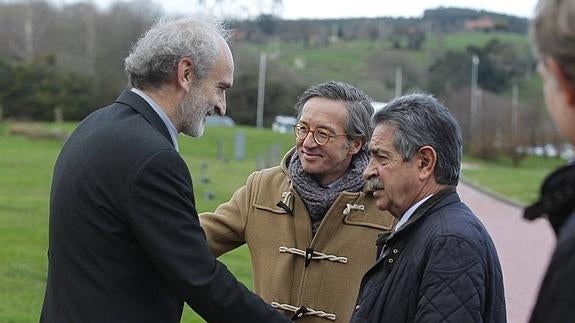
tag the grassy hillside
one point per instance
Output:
(371, 64)
(459, 41)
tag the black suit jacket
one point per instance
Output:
(125, 241)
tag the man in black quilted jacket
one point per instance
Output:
(439, 263)
(553, 34)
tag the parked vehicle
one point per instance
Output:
(220, 121)
(283, 123)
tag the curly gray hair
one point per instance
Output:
(153, 58)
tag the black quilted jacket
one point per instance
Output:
(441, 266)
(556, 300)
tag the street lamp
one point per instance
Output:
(261, 90)
(473, 104)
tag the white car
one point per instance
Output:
(284, 124)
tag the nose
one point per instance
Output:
(369, 171)
(220, 108)
(309, 141)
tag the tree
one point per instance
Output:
(35, 88)
(449, 72)
(501, 63)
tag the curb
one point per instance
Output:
(493, 194)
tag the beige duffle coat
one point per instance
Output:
(293, 270)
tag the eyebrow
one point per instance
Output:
(320, 126)
(379, 151)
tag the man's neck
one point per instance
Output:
(167, 99)
(424, 192)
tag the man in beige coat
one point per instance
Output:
(310, 229)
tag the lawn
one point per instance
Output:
(520, 184)
(26, 170)
(25, 175)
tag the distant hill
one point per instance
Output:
(320, 32)
(455, 19)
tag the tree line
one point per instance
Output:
(70, 59)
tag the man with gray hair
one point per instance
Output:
(439, 263)
(125, 243)
(309, 227)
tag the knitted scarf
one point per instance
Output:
(318, 199)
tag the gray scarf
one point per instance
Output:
(318, 199)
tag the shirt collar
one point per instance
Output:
(410, 212)
(160, 112)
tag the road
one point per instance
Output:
(524, 248)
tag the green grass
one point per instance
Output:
(342, 61)
(25, 175)
(520, 184)
(352, 61)
(460, 41)
(345, 60)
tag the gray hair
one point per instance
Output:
(358, 104)
(422, 121)
(552, 33)
(155, 56)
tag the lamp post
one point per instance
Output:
(515, 113)
(261, 90)
(398, 80)
(473, 104)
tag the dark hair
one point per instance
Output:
(358, 104)
(422, 121)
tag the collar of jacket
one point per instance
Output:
(285, 161)
(140, 105)
(557, 198)
(421, 212)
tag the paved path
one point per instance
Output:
(524, 249)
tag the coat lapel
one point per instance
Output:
(138, 104)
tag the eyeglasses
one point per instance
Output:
(320, 135)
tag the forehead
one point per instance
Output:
(223, 69)
(382, 138)
(324, 112)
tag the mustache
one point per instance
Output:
(373, 184)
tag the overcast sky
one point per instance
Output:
(294, 9)
(404, 8)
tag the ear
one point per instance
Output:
(185, 73)
(426, 161)
(555, 73)
(355, 146)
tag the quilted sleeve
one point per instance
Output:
(453, 283)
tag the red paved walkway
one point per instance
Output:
(524, 249)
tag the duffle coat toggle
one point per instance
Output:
(285, 202)
(310, 254)
(303, 311)
(349, 207)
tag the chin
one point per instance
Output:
(309, 167)
(195, 132)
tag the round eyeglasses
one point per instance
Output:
(320, 135)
